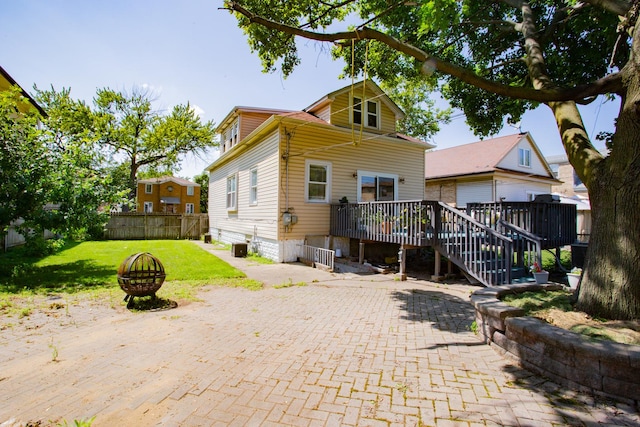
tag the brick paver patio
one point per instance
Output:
(332, 353)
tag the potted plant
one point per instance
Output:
(574, 277)
(541, 276)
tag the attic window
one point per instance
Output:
(371, 112)
(231, 136)
(524, 157)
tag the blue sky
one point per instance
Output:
(190, 51)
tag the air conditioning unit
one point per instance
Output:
(239, 249)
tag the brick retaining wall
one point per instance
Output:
(565, 357)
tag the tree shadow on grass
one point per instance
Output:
(71, 277)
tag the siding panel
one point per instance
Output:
(405, 160)
(260, 218)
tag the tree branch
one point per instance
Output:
(609, 84)
(619, 7)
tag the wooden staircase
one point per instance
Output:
(486, 255)
(492, 244)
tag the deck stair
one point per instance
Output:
(481, 242)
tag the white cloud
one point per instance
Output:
(197, 110)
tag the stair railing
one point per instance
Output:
(482, 252)
(527, 247)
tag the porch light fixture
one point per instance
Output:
(401, 180)
(355, 175)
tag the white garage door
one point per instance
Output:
(474, 192)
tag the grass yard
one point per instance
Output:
(91, 267)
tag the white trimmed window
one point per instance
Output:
(317, 181)
(376, 187)
(189, 208)
(148, 207)
(232, 192)
(370, 112)
(524, 157)
(148, 188)
(253, 186)
(231, 136)
(190, 190)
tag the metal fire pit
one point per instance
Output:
(140, 275)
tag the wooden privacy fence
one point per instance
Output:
(156, 226)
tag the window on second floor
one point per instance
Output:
(524, 157)
(232, 192)
(370, 112)
(148, 188)
(190, 190)
(231, 136)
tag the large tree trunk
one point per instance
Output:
(611, 284)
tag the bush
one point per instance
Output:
(36, 246)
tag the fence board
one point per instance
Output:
(156, 226)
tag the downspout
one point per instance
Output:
(285, 157)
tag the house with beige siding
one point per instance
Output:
(509, 168)
(279, 171)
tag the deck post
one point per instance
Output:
(403, 262)
(361, 252)
(436, 268)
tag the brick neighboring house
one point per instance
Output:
(168, 194)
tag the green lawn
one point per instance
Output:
(92, 266)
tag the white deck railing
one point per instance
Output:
(319, 256)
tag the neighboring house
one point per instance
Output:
(507, 168)
(572, 190)
(279, 171)
(168, 194)
(6, 81)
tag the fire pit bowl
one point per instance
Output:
(140, 275)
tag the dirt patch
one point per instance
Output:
(626, 332)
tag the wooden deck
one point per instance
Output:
(489, 242)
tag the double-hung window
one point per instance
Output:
(148, 188)
(232, 192)
(148, 207)
(367, 110)
(253, 186)
(190, 190)
(317, 181)
(524, 157)
(189, 208)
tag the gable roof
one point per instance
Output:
(233, 114)
(6, 81)
(371, 85)
(163, 179)
(474, 158)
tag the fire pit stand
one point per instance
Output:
(140, 275)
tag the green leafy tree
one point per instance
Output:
(496, 60)
(25, 165)
(129, 127)
(203, 180)
(82, 180)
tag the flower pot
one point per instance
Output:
(541, 277)
(574, 280)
